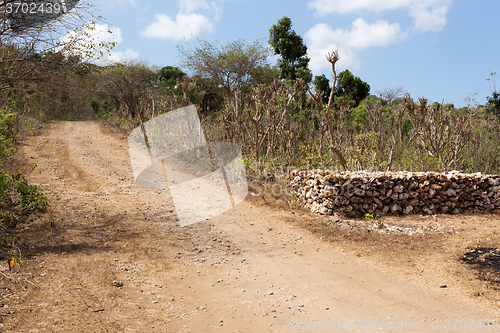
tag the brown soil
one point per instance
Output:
(120, 262)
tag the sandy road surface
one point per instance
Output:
(249, 270)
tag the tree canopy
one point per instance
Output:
(321, 83)
(290, 46)
(230, 66)
(124, 82)
(168, 76)
(348, 86)
(352, 87)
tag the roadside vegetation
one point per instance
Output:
(40, 80)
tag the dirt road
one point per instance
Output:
(120, 262)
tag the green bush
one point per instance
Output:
(107, 105)
(8, 133)
(18, 199)
(95, 105)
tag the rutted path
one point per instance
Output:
(248, 270)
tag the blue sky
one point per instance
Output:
(437, 49)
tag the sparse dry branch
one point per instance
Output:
(327, 113)
(391, 94)
(440, 133)
(332, 58)
(31, 50)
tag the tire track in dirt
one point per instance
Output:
(121, 263)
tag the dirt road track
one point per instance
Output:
(249, 270)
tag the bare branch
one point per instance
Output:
(390, 94)
(332, 58)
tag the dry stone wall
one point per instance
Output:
(393, 193)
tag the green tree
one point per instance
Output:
(95, 105)
(494, 100)
(290, 46)
(321, 83)
(232, 67)
(125, 83)
(168, 75)
(212, 96)
(352, 87)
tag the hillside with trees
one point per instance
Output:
(278, 113)
(283, 117)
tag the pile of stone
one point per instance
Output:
(393, 193)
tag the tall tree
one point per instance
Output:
(231, 67)
(125, 82)
(326, 110)
(290, 46)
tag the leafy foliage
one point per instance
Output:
(494, 101)
(8, 133)
(232, 66)
(321, 83)
(351, 87)
(95, 105)
(290, 46)
(493, 104)
(168, 76)
(124, 83)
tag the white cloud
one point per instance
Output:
(322, 39)
(364, 35)
(184, 26)
(189, 6)
(325, 7)
(93, 38)
(121, 56)
(428, 15)
(188, 22)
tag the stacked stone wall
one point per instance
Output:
(394, 193)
